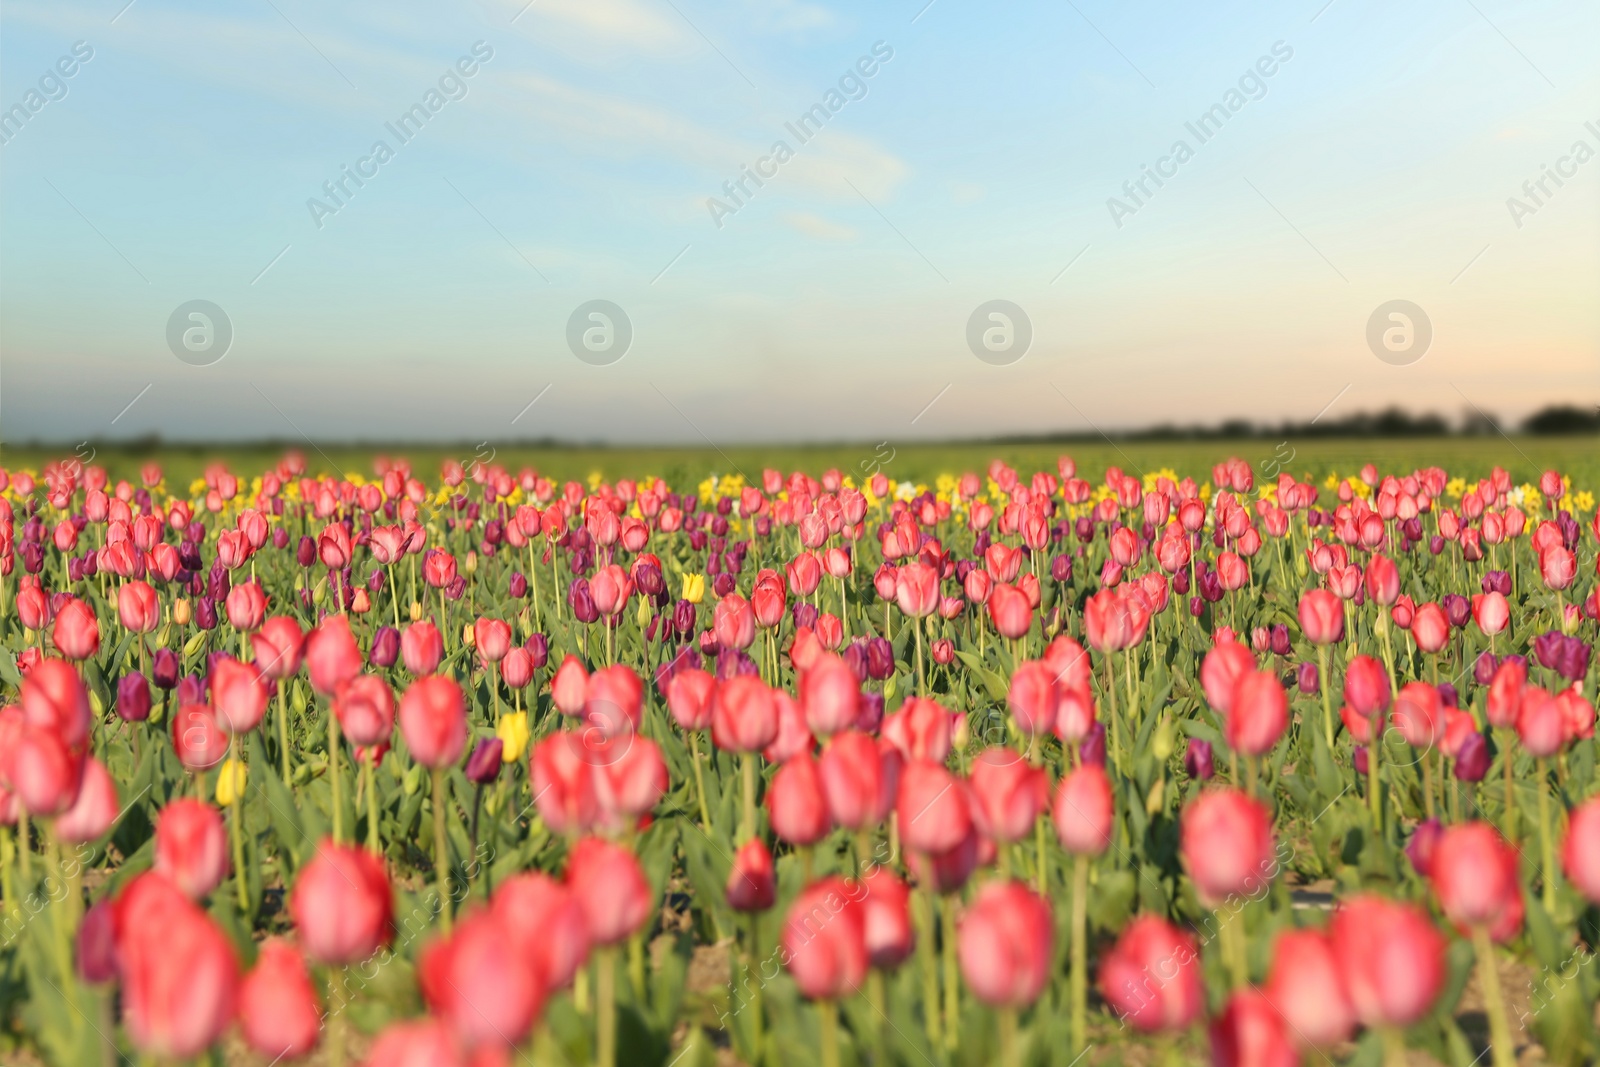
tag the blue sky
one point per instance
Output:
(977, 164)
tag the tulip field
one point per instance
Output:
(1019, 763)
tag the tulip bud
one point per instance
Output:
(483, 766)
(133, 698)
(1197, 759)
(385, 647)
(181, 613)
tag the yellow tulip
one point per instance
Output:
(694, 588)
(513, 733)
(231, 782)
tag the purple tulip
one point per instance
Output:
(880, 659)
(1472, 762)
(483, 766)
(1197, 760)
(1307, 677)
(385, 647)
(133, 698)
(1423, 841)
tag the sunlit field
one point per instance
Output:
(1089, 753)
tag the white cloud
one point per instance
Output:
(817, 226)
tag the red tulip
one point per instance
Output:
(1007, 794)
(1541, 725)
(1259, 716)
(569, 689)
(1084, 811)
(1558, 565)
(1152, 978)
(278, 1010)
(197, 740)
(1491, 612)
(564, 776)
(492, 639)
(246, 606)
(1305, 987)
(1366, 686)
(1227, 845)
(54, 699)
(76, 633)
(1474, 874)
(1580, 852)
(824, 939)
(689, 698)
(1505, 694)
(1220, 671)
(424, 1043)
(179, 975)
(932, 808)
(1419, 715)
(920, 730)
(1382, 579)
(767, 600)
(1390, 958)
(796, 802)
(916, 589)
(1010, 611)
(342, 905)
(829, 695)
(547, 923)
(433, 721)
(860, 778)
(421, 648)
(1033, 698)
(611, 888)
(237, 695)
(138, 608)
(331, 655)
(1251, 1032)
(93, 810)
(1321, 617)
(614, 700)
(610, 588)
(1005, 941)
(734, 622)
(45, 773)
(33, 607)
(276, 647)
(191, 847)
(517, 668)
(744, 717)
(365, 708)
(631, 776)
(751, 883)
(1430, 627)
(476, 979)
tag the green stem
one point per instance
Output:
(333, 776)
(1547, 843)
(700, 781)
(1233, 948)
(927, 949)
(828, 1015)
(374, 844)
(748, 769)
(606, 1013)
(1079, 979)
(441, 851)
(1327, 703)
(952, 976)
(236, 823)
(283, 733)
(1500, 1039)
